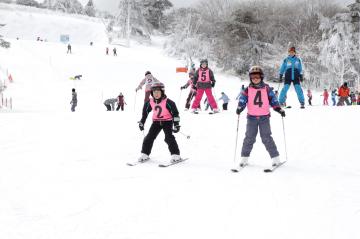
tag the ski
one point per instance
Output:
(239, 168)
(170, 164)
(136, 162)
(273, 168)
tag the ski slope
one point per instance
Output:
(64, 175)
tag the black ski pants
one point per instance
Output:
(189, 98)
(154, 131)
(108, 107)
(225, 105)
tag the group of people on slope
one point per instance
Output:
(258, 97)
(343, 93)
(112, 102)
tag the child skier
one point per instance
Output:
(147, 81)
(165, 117)
(73, 101)
(203, 81)
(309, 95)
(225, 99)
(258, 97)
(333, 97)
(110, 104)
(192, 92)
(121, 102)
(326, 96)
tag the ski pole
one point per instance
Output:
(186, 135)
(178, 102)
(286, 157)
(237, 134)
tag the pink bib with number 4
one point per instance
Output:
(258, 102)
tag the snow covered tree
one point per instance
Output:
(184, 24)
(139, 27)
(154, 11)
(67, 6)
(339, 54)
(3, 43)
(90, 9)
(31, 3)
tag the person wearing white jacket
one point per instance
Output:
(147, 81)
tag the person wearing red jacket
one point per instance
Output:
(326, 96)
(344, 93)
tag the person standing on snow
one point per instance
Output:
(192, 92)
(225, 99)
(326, 96)
(344, 93)
(114, 51)
(120, 102)
(73, 101)
(204, 80)
(165, 117)
(292, 68)
(258, 98)
(147, 81)
(333, 97)
(68, 49)
(309, 95)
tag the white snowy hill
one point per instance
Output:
(64, 175)
(28, 23)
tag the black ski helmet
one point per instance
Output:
(204, 61)
(147, 73)
(157, 86)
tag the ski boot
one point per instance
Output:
(275, 161)
(143, 158)
(175, 158)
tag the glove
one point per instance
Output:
(301, 78)
(239, 110)
(280, 111)
(213, 84)
(176, 128)
(281, 78)
(141, 126)
(182, 87)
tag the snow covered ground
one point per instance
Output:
(64, 175)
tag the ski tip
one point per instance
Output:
(162, 166)
(267, 170)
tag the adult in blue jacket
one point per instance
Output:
(292, 68)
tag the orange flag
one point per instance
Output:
(181, 69)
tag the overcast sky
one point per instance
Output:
(112, 5)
